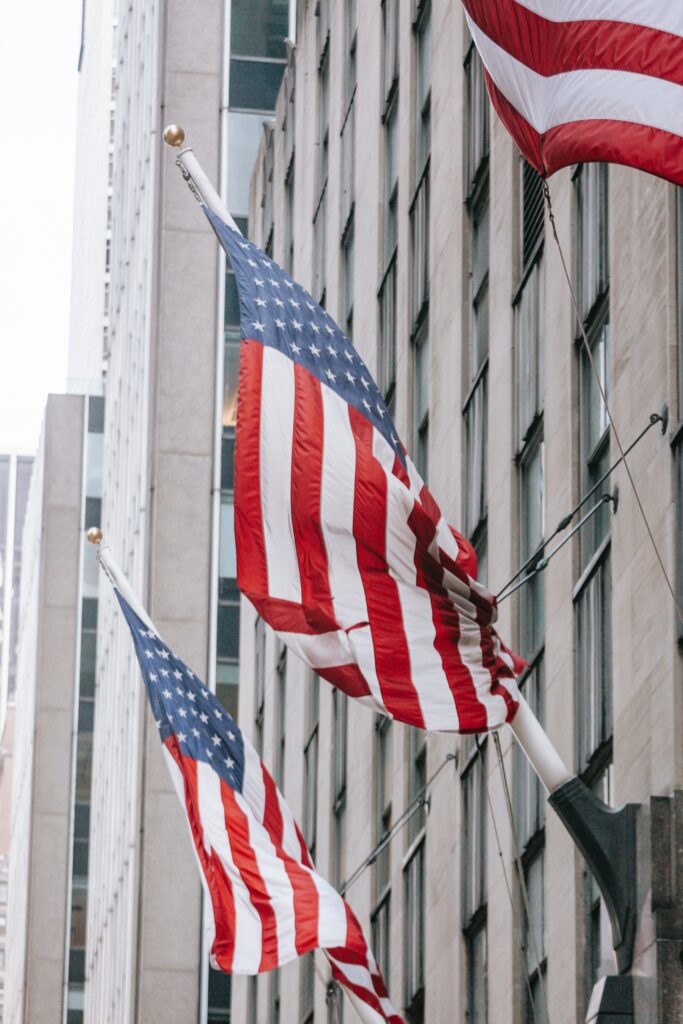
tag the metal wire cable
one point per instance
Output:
(584, 336)
(655, 417)
(520, 872)
(515, 916)
(418, 802)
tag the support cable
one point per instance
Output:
(516, 919)
(520, 873)
(622, 453)
(543, 562)
(420, 800)
(655, 417)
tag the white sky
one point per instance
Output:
(39, 43)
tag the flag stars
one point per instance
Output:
(229, 762)
(280, 323)
(152, 677)
(332, 376)
(314, 327)
(252, 263)
(196, 733)
(332, 351)
(294, 303)
(167, 694)
(350, 377)
(182, 736)
(365, 383)
(209, 753)
(215, 739)
(279, 302)
(149, 654)
(231, 735)
(191, 696)
(177, 674)
(179, 690)
(204, 717)
(257, 325)
(296, 325)
(314, 350)
(164, 672)
(260, 302)
(330, 330)
(295, 348)
(367, 404)
(275, 284)
(349, 354)
(182, 712)
(217, 713)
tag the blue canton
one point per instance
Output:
(281, 314)
(183, 707)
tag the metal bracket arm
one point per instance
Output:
(607, 840)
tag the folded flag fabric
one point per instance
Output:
(340, 545)
(584, 80)
(269, 904)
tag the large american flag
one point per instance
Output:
(269, 904)
(340, 546)
(582, 80)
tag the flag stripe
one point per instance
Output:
(307, 468)
(581, 95)
(277, 430)
(392, 656)
(252, 568)
(665, 15)
(554, 47)
(248, 923)
(632, 145)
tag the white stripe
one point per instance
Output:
(472, 656)
(320, 650)
(332, 923)
(253, 786)
(337, 506)
(277, 883)
(665, 15)
(179, 786)
(581, 95)
(248, 932)
(277, 429)
(426, 668)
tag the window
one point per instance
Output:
(311, 764)
(218, 1011)
(419, 240)
(474, 883)
(381, 935)
(259, 683)
(307, 988)
(281, 718)
(319, 219)
(421, 400)
(529, 351)
(253, 1000)
(532, 220)
(387, 291)
(414, 880)
(535, 962)
(384, 782)
(275, 997)
(423, 81)
(267, 199)
(530, 794)
(531, 530)
(289, 247)
(347, 282)
(348, 131)
(262, 36)
(414, 937)
(592, 250)
(339, 764)
(592, 604)
(477, 120)
(390, 15)
(592, 594)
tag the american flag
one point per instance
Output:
(269, 904)
(583, 80)
(340, 546)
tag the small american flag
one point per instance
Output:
(269, 904)
(340, 546)
(582, 80)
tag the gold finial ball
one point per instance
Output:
(174, 135)
(94, 535)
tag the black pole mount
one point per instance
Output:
(607, 840)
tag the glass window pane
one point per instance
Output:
(258, 28)
(477, 968)
(244, 137)
(254, 84)
(227, 559)
(228, 640)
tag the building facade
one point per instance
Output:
(48, 854)
(393, 193)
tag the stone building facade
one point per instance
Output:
(391, 191)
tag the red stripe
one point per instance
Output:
(237, 827)
(392, 658)
(555, 47)
(252, 568)
(356, 952)
(471, 712)
(305, 894)
(618, 142)
(347, 678)
(307, 471)
(220, 889)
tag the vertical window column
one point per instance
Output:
(381, 917)
(320, 214)
(414, 882)
(387, 296)
(474, 881)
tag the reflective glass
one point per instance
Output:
(244, 136)
(228, 643)
(254, 84)
(227, 560)
(258, 27)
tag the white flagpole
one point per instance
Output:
(175, 136)
(115, 573)
(530, 734)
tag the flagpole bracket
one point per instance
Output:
(606, 838)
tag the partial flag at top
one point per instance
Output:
(268, 904)
(340, 545)
(586, 80)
